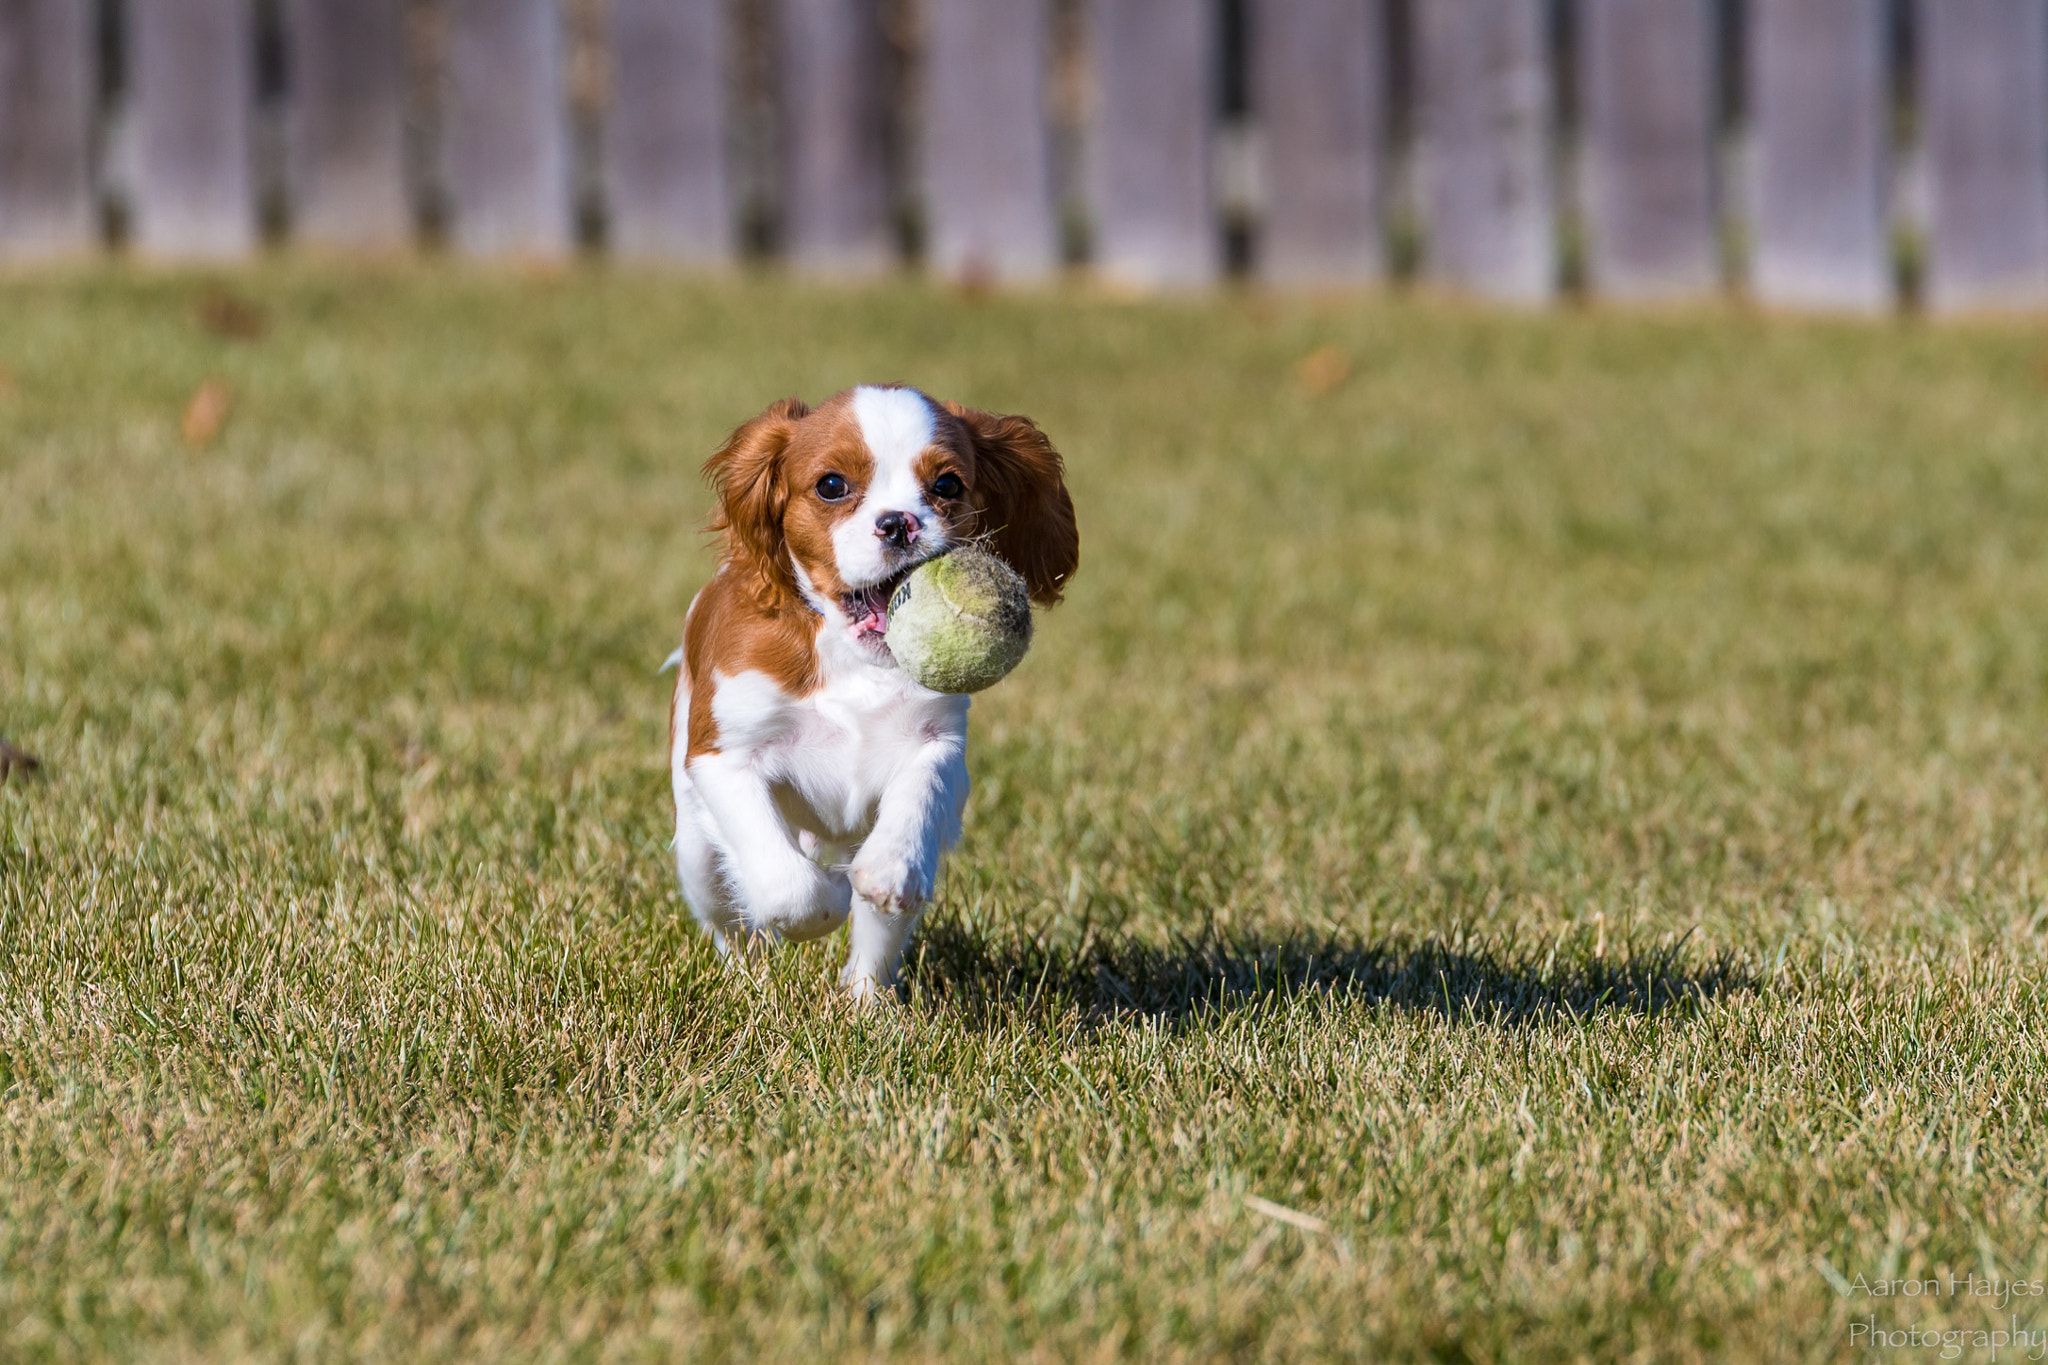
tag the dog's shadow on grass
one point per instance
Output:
(1483, 981)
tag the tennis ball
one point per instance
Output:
(960, 622)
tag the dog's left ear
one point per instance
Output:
(1021, 484)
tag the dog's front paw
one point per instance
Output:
(893, 885)
(807, 903)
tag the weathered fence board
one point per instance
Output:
(816, 78)
(1152, 193)
(507, 130)
(668, 191)
(1820, 124)
(1320, 78)
(1646, 68)
(835, 181)
(46, 111)
(191, 66)
(1483, 105)
(988, 142)
(346, 126)
(1983, 87)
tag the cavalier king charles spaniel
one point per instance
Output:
(814, 781)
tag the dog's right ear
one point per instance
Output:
(746, 473)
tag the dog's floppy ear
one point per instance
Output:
(1021, 484)
(746, 473)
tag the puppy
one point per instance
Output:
(814, 781)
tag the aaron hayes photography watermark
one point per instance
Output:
(2014, 1337)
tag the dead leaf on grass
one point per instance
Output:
(229, 315)
(975, 280)
(1323, 370)
(206, 413)
(1280, 1213)
(13, 760)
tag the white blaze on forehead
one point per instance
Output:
(897, 425)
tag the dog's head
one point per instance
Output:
(837, 504)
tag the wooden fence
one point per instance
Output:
(1847, 154)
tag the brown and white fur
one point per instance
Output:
(814, 781)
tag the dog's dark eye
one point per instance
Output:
(833, 487)
(948, 486)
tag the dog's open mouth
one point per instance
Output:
(868, 607)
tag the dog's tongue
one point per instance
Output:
(876, 622)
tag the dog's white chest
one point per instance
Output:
(830, 755)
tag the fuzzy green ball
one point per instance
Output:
(960, 622)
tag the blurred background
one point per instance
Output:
(1844, 154)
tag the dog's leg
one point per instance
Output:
(878, 940)
(698, 863)
(897, 867)
(779, 890)
(703, 879)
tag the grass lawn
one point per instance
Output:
(1526, 841)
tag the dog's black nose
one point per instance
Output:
(897, 529)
